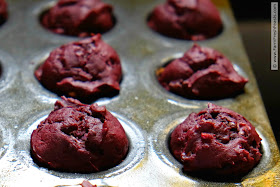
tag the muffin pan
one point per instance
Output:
(147, 112)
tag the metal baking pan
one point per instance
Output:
(147, 111)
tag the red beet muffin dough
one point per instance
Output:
(86, 70)
(217, 141)
(79, 138)
(186, 19)
(201, 73)
(3, 11)
(79, 17)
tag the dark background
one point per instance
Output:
(253, 18)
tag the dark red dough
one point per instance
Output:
(186, 19)
(79, 138)
(202, 73)
(217, 141)
(86, 70)
(3, 11)
(79, 17)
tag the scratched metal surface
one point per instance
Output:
(147, 112)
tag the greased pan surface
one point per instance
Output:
(147, 112)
